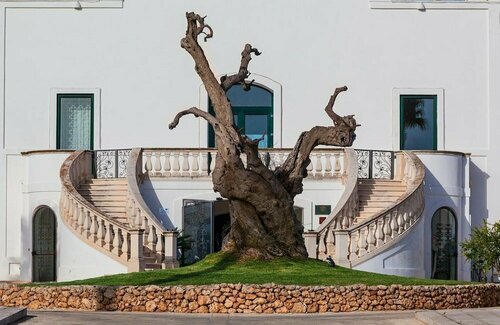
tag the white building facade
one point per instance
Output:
(120, 63)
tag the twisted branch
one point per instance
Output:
(197, 113)
(227, 82)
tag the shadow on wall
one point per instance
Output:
(478, 196)
(155, 205)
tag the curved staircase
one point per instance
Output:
(111, 216)
(373, 213)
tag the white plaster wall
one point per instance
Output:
(41, 188)
(165, 196)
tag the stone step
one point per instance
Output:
(103, 193)
(373, 203)
(86, 187)
(12, 315)
(105, 198)
(116, 181)
(110, 203)
(112, 210)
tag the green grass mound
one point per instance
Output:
(226, 268)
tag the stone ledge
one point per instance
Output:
(11, 315)
(238, 298)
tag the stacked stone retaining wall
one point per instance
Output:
(238, 298)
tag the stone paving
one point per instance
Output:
(480, 316)
(97, 318)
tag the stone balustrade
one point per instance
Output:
(201, 162)
(115, 239)
(358, 243)
(344, 213)
(160, 242)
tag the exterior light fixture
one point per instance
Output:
(78, 5)
(421, 7)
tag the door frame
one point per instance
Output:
(33, 241)
(58, 129)
(401, 118)
(53, 116)
(396, 112)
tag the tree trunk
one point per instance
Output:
(263, 221)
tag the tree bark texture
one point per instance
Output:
(261, 201)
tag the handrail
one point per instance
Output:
(364, 238)
(113, 238)
(345, 212)
(161, 242)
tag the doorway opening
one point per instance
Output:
(44, 245)
(444, 245)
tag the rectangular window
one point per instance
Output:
(418, 122)
(75, 121)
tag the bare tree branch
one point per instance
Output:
(196, 112)
(243, 73)
(329, 107)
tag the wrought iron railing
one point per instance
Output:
(111, 163)
(377, 164)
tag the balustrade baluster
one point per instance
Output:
(108, 237)
(371, 237)
(361, 242)
(152, 239)
(160, 245)
(337, 169)
(319, 165)
(101, 233)
(138, 218)
(81, 219)
(244, 159)
(117, 242)
(394, 224)
(93, 228)
(353, 245)
(185, 164)
(125, 246)
(157, 164)
(406, 217)
(149, 166)
(176, 167)
(380, 232)
(330, 241)
(213, 158)
(345, 218)
(195, 166)
(328, 165)
(204, 163)
(322, 246)
(387, 227)
(86, 224)
(166, 165)
(400, 222)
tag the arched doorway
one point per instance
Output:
(44, 245)
(252, 113)
(444, 245)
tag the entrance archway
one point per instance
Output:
(444, 245)
(44, 245)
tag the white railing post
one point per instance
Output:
(310, 239)
(342, 248)
(170, 258)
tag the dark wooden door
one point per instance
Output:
(44, 246)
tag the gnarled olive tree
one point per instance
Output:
(263, 222)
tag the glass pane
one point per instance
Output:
(44, 246)
(198, 226)
(255, 127)
(256, 96)
(75, 123)
(419, 123)
(444, 245)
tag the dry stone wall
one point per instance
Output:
(238, 298)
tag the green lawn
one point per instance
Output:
(224, 268)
